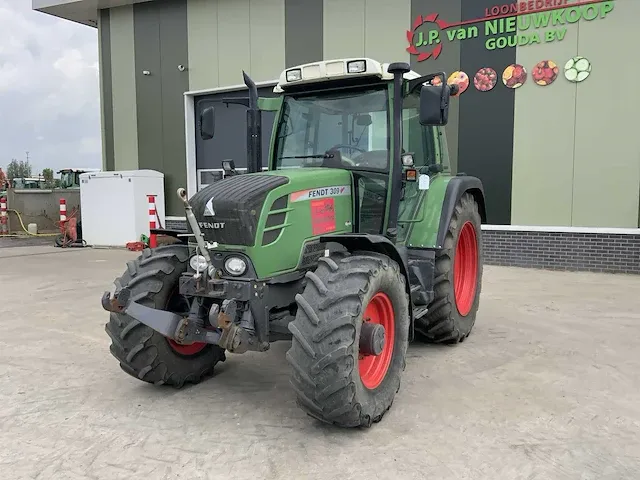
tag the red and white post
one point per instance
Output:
(63, 211)
(153, 241)
(4, 229)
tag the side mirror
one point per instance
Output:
(364, 120)
(207, 123)
(229, 167)
(434, 103)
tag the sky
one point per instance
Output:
(49, 90)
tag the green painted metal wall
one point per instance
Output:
(576, 157)
(106, 89)
(227, 37)
(161, 48)
(370, 28)
(123, 84)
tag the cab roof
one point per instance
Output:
(343, 68)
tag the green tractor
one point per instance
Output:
(357, 238)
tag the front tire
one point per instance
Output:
(458, 278)
(142, 352)
(333, 382)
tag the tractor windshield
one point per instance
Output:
(341, 129)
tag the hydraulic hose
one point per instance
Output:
(27, 231)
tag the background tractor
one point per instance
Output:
(70, 177)
(357, 237)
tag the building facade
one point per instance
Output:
(547, 119)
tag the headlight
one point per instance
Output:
(198, 263)
(407, 160)
(235, 266)
(357, 66)
(294, 75)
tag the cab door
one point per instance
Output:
(427, 144)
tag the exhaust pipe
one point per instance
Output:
(254, 128)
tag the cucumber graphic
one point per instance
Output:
(571, 74)
(582, 76)
(577, 69)
(582, 64)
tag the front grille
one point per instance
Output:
(275, 219)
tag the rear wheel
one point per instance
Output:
(144, 353)
(458, 278)
(350, 339)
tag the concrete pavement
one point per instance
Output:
(546, 387)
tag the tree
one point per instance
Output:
(47, 173)
(19, 169)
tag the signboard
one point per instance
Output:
(323, 192)
(520, 23)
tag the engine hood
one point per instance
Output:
(228, 210)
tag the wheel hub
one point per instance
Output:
(371, 339)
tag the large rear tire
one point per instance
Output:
(333, 381)
(142, 352)
(458, 278)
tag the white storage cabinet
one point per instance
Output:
(114, 206)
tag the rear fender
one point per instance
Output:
(379, 244)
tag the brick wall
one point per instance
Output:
(594, 252)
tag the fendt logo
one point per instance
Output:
(513, 24)
(208, 209)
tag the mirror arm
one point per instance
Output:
(417, 82)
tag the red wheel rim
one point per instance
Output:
(178, 304)
(465, 269)
(374, 368)
(187, 348)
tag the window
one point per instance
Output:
(355, 123)
(428, 144)
(423, 142)
(230, 140)
(416, 138)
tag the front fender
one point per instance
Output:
(378, 244)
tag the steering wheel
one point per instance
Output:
(351, 147)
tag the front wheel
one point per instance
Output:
(350, 339)
(143, 353)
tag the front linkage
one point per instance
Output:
(191, 329)
(244, 300)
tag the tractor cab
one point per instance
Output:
(28, 183)
(70, 177)
(379, 122)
